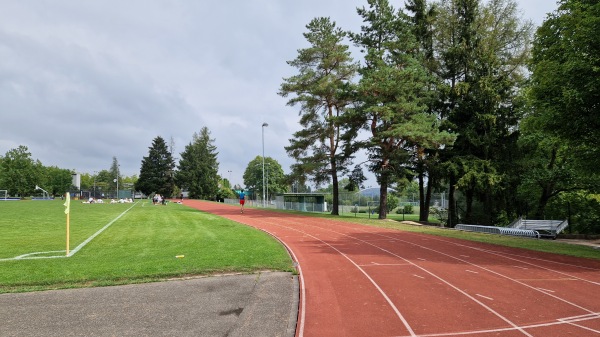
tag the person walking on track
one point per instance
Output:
(242, 200)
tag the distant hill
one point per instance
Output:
(373, 192)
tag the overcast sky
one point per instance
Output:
(83, 81)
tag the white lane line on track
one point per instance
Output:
(489, 309)
(537, 266)
(489, 270)
(559, 321)
(546, 290)
(506, 320)
(400, 316)
(388, 300)
(514, 327)
(572, 320)
(375, 264)
(471, 271)
(487, 298)
(508, 278)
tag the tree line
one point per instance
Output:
(197, 172)
(460, 96)
(20, 174)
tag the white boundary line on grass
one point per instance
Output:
(81, 245)
(72, 252)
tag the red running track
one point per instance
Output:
(367, 281)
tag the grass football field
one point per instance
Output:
(140, 243)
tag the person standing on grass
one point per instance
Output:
(242, 200)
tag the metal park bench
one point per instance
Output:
(546, 228)
(499, 230)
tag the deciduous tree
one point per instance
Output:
(484, 48)
(19, 173)
(565, 77)
(275, 178)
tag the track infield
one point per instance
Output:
(366, 281)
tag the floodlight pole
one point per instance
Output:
(263, 160)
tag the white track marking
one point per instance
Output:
(494, 272)
(375, 264)
(487, 298)
(515, 327)
(388, 300)
(508, 278)
(509, 257)
(464, 293)
(400, 316)
(509, 322)
(504, 276)
(560, 321)
(590, 316)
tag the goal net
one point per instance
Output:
(3, 194)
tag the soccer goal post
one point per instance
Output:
(3, 194)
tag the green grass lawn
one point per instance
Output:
(141, 246)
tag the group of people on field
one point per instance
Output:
(92, 200)
(158, 199)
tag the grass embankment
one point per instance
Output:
(141, 246)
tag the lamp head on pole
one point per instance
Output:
(265, 124)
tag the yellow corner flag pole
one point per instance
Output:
(67, 210)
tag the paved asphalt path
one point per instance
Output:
(264, 304)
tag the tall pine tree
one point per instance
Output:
(393, 93)
(156, 173)
(198, 167)
(322, 148)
